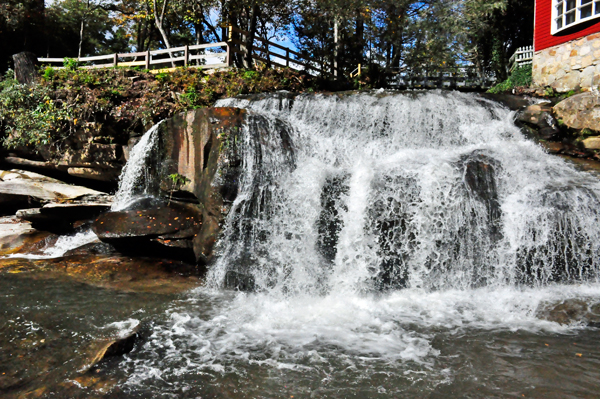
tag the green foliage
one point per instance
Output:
(70, 63)
(49, 73)
(178, 180)
(119, 101)
(30, 117)
(521, 77)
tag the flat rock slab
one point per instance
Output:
(109, 271)
(21, 189)
(45, 190)
(68, 212)
(174, 221)
(17, 237)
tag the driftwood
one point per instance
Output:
(25, 71)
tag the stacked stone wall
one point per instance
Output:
(569, 66)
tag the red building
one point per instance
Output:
(567, 44)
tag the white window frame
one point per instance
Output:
(579, 6)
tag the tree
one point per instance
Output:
(22, 23)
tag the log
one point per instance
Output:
(25, 71)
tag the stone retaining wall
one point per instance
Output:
(569, 66)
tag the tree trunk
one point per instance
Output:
(80, 39)
(159, 24)
(360, 37)
(336, 46)
(250, 38)
(25, 71)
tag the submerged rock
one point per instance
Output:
(120, 273)
(571, 311)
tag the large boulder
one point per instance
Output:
(581, 111)
(540, 117)
(204, 146)
(163, 230)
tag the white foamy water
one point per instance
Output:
(369, 225)
(135, 179)
(62, 245)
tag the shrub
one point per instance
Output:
(520, 77)
(119, 100)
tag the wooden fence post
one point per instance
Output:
(186, 54)
(148, 59)
(229, 54)
(115, 59)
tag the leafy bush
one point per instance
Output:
(520, 77)
(119, 101)
(71, 63)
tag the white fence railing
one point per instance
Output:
(206, 56)
(523, 56)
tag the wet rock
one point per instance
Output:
(540, 116)
(390, 217)
(61, 217)
(571, 311)
(239, 281)
(588, 165)
(510, 101)
(172, 221)
(480, 180)
(121, 273)
(580, 111)
(202, 146)
(165, 230)
(19, 237)
(330, 221)
(119, 346)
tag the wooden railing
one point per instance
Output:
(272, 53)
(523, 56)
(465, 77)
(176, 56)
(203, 56)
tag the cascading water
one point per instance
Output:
(421, 191)
(136, 177)
(384, 235)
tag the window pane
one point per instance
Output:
(559, 9)
(570, 17)
(559, 23)
(597, 7)
(586, 11)
(585, 1)
(571, 4)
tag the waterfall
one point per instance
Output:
(388, 191)
(390, 243)
(135, 179)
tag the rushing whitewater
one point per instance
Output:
(408, 191)
(136, 177)
(374, 228)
